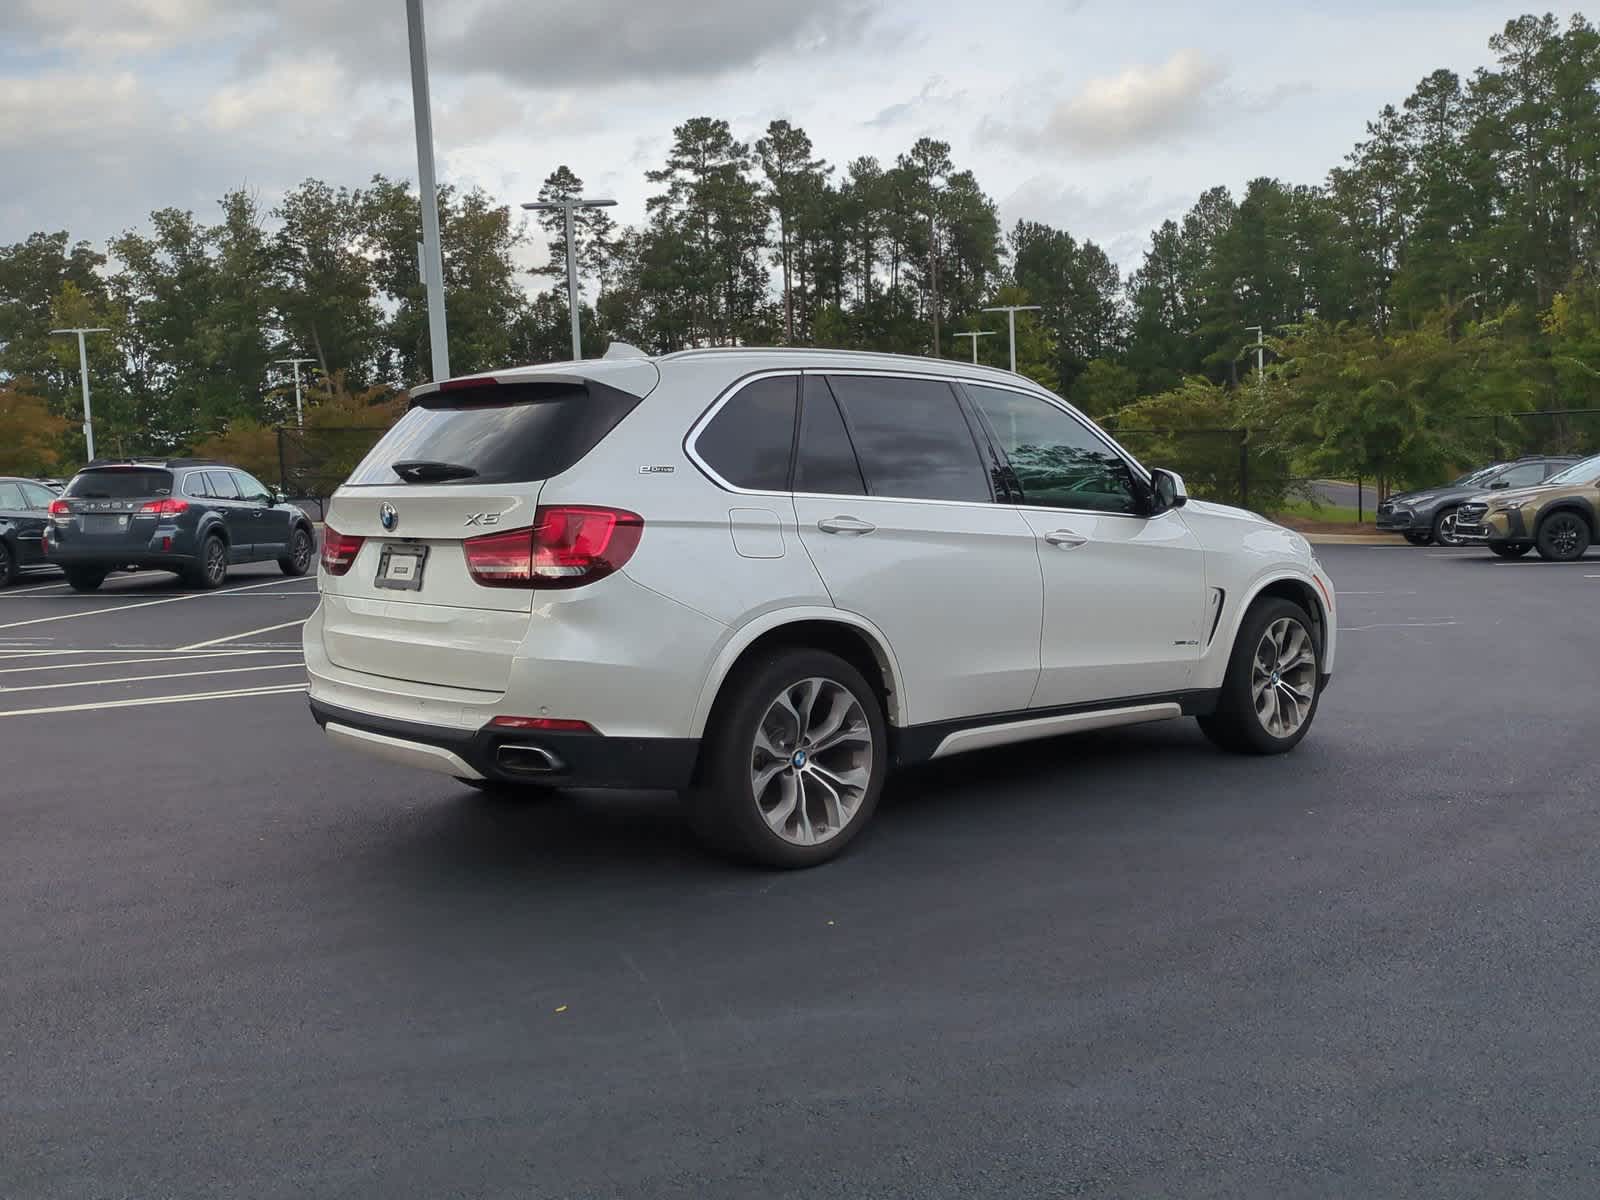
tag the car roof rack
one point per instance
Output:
(155, 461)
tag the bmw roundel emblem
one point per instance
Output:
(387, 517)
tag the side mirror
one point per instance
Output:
(1498, 484)
(276, 497)
(1168, 490)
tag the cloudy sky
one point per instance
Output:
(1104, 116)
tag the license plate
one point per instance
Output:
(400, 567)
(105, 524)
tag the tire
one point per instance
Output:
(743, 803)
(85, 579)
(1509, 549)
(211, 569)
(1419, 539)
(298, 560)
(1236, 725)
(9, 566)
(1563, 536)
(1444, 528)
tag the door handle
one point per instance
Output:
(1065, 539)
(849, 526)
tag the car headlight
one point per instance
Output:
(1505, 506)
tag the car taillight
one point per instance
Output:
(60, 508)
(570, 545)
(339, 550)
(546, 724)
(169, 507)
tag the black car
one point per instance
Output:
(1429, 516)
(188, 515)
(24, 512)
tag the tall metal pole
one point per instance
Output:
(83, 374)
(572, 285)
(568, 207)
(427, 186)
(1261, 347)
(299, 411)
(975, 337)
(1011, 311)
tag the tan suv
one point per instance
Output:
(1559, 518)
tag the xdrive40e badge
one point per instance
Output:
(387, 517)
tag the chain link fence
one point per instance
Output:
(313, 462)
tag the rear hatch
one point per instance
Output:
(112, 509)
(415, 579)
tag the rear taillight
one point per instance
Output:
(569, 546)
(339, 550)
(169, 507)
(543, 724)
(60, 508)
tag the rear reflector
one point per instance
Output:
(170, 507)
(339, 550)
(547, 724)
(568, 546)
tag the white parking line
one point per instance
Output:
(233, 637)
(41, 587)
(272, 690)
(128, 662)
(225, 653)
(1398, 625)
(46, 687)
(150, 603)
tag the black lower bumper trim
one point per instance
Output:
(587, 760)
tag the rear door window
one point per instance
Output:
(749, 441)
(513, 433)
(120, 483)
(222, 485)
(11, 497)
(194, 484)
(824, 463)
(911, 438)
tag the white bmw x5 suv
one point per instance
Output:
(765, 577)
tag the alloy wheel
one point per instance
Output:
(1447, 530)
(1562, 534)
(302, 552)
(811, 761)
(216, 561)
(1283, 680)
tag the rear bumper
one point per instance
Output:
(166, 548)
(575, 760)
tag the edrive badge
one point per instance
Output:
(387, 517)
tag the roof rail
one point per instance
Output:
(154, 460)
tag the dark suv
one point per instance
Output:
(188, 515)
(23, 505)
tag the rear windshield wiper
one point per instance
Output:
(425, 470)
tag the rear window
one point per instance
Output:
(516, 433)
(120, 483)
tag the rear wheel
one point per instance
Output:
(1563, 537)
(85, 579)
(9, 569)
(211, 570)
(298, 560)
(1269, 696)
(1419, 539)
(793, 763)
(1444, 528)
(1509, 549)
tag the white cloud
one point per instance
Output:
(303, 89)
(1135, 107)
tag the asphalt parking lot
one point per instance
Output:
(238, 962)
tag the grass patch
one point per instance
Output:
(1333, 514)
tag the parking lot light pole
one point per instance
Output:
(299, 412)
(568, 207)
(975, 337)
(1011, 311)
(428, 192)
(83, 373)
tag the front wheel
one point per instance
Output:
(85, 579)
(9, 569)
(1444, 529)
(1563, 537)
(1269, 695)
(298, 560)
(793, 763)
(1509, 549)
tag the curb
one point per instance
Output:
(1350, 539)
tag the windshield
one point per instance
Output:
(1478, 476)
(1587, 471)
(120, 483)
